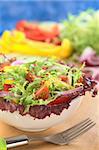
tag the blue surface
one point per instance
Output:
(55, 10)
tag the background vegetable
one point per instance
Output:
(35, 31)
(16, 42)
(82, 30)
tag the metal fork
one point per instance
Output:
(62, 138)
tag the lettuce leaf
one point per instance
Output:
(3, 145)
(82, 30)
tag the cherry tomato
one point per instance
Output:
(42, 93)
(64, 78)
(7, 87)
(30, 77)
(80, 80)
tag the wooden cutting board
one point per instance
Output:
(89, 141)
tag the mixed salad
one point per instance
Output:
(42, 82)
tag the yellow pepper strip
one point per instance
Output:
(16, 42)
(9, 81)
(7, 68)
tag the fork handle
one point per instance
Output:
(17, 141)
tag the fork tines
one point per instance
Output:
(78, 129)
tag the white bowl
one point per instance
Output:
(28, 123)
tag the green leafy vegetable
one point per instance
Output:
(82, 30)
(3, 145)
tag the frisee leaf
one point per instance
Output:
(82, 30)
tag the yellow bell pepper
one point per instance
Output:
(9, 81)
(16, 42)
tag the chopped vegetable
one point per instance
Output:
(30, 77)
(5, 62)
(64, 78)
(7, 87)
(42, 93)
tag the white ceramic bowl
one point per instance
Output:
(28, 123)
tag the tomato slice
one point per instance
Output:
(7, 87)
(42, 93)
(68, 96)
(64, 78)
(30, 77)
(80, 80)
(59, 100)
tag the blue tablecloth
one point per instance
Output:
(42, 10)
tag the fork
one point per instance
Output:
(61, 138)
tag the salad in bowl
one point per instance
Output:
(40, 93)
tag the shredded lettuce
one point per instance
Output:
(23, 91)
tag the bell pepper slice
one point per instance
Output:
(22, 45)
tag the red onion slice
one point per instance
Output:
(94, 71)
(4, 93)
(17, 62)
(89, 57)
